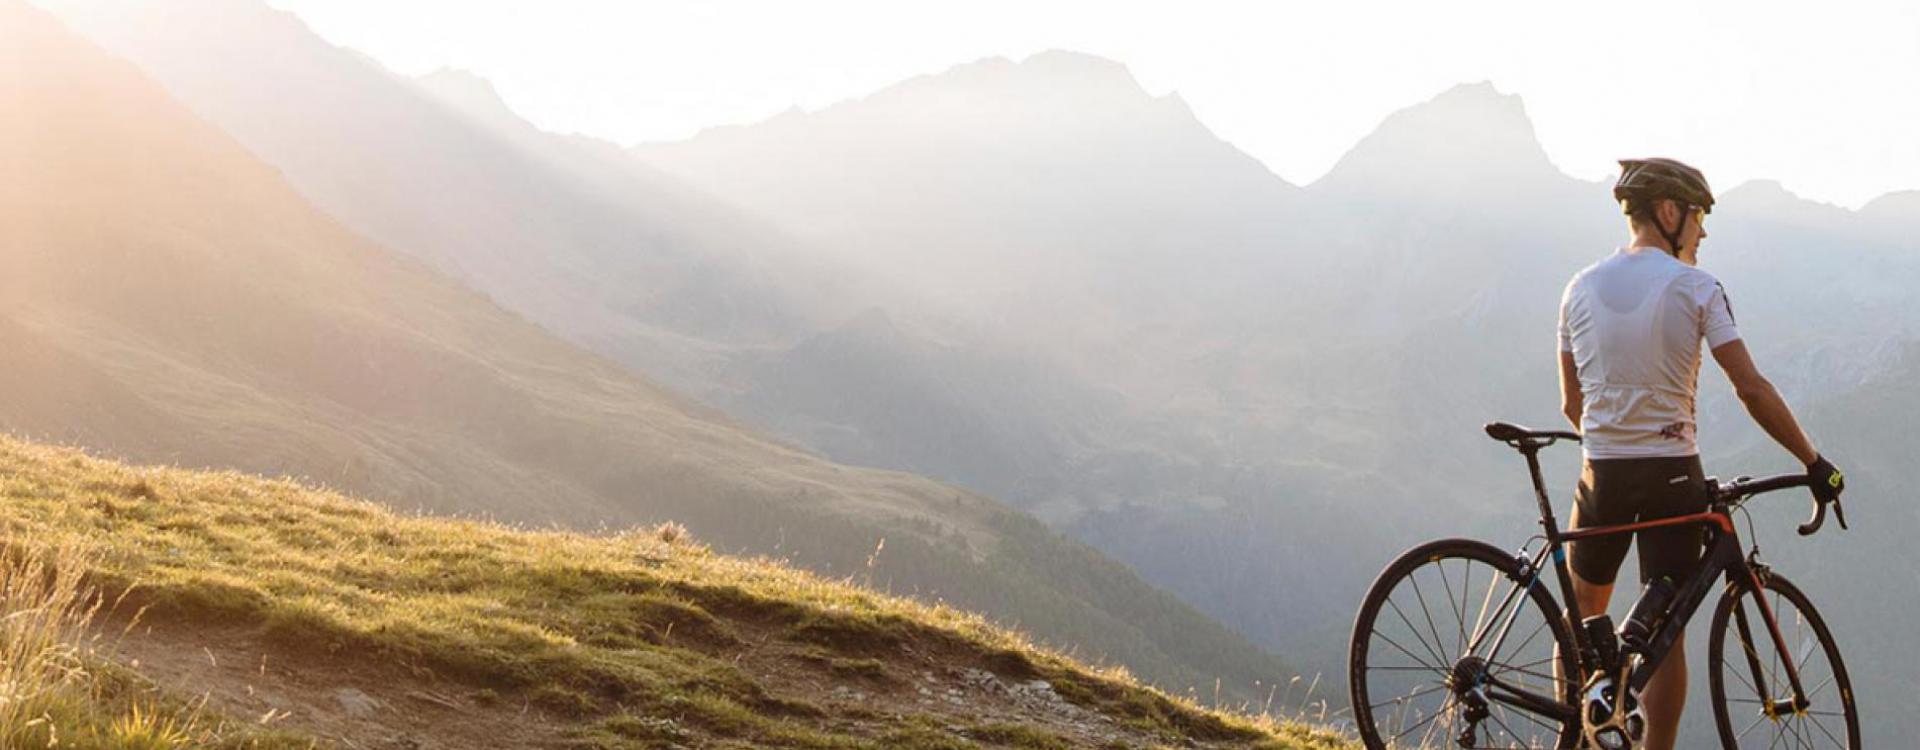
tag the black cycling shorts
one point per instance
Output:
(1616, 491)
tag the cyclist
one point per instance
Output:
(1630, 333)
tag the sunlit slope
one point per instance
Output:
(167, 297)
(565, 231)
(637, 640)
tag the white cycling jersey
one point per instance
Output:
(1634, 323)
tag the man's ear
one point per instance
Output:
(1669, 210)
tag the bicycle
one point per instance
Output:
(1485, 691)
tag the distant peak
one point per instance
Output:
(1476, 107)
(1069, 61)
(469, 93)
(1898, 204)
(1470, 134)
(1054, 73)
(1480, 90)
(1755, 191)
(461, 79)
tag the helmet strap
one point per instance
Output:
(1673, 237)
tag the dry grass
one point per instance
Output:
(55, 691)
(615, 631)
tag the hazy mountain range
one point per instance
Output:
(1300, 381)
(1037, 281)
(170, 297)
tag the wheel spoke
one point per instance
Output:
(1458, 616)
(1822, 686)
(1424, 722)
(1774, 671)
(1403, 649)
(1432, 649)
(1535, 718)
(1493, 658)
(1777, 735)
(1408, 697)
(1531, 673)
(1466, 585)
(1480, 620)
(1446, 709)
(1503, 725)
(1413, 577)
(1823, 729)
(1747, 648)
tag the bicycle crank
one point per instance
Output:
(1610, 720)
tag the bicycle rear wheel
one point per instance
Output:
(1749, 680)
(1410, 643)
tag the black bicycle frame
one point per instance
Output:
(1723, 558)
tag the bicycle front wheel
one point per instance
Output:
(1753, 699)
(1412, 659)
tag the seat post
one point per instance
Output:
(1547, 521)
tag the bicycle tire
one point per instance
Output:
(1381, 601)
(1808, 730)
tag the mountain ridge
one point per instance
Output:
(244, 328)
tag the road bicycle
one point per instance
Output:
(1774, 673)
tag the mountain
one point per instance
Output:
(1052, 167)
(1242, 342)
(1282, 414)
(1470, 137)
(1895, 214)
(348, 625)
(630, 262)
(171, 298)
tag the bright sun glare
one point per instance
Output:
(1820, 98)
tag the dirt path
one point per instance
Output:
(345, 701)
(362, 703)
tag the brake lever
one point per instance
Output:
(1840, 514)
(1819, 519)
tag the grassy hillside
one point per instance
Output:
(634, 640)
(168, 297)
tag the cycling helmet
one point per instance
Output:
(1663, 178)
(1644, 180)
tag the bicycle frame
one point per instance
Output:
(1723, 558)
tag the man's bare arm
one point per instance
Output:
(1570, 398)
(1763, 401)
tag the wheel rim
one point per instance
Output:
(1409, 672)
(1825, 723)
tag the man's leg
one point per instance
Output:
(1665, 698)
(1602, 554)
(1673, 554)
(1593, 597)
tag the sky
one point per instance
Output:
(1823, 97)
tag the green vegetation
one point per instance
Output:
(635, 640)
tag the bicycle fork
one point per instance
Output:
(1773, 708)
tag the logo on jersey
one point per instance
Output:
(1677, 431)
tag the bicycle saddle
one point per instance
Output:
(1506, 432)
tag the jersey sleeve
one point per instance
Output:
(1566, 332)
(1716, 316)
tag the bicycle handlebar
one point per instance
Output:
(1745, 487)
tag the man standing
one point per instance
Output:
(1630, 333)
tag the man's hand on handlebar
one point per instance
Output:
(1825, 480)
